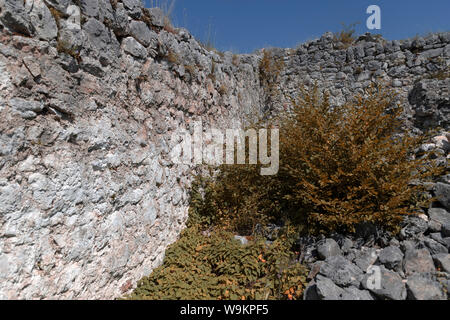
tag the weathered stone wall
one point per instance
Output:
(89, 198)
(399, 64)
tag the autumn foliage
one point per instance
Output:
(339, 166)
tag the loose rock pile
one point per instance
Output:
(374, 265)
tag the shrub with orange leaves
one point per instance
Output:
(342, 166)
(339, 166)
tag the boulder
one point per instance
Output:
(419, 261)
(328, 248)
(26, 109)
(120, 24)
(314, 269)
(353, 293)
(365, 258)
(13, 16)
(429, 103)
(440, 217)
(341, 271)
(391, 257)
(102, 43)
(442, 142)
(105, 10)
(90, 8)
(157, 16)
(60, 5)
(435, 247)
(134, 8)
(445, 230)
(131, 46)
(438, 238)
(391, 286)
(414, 226)
(442, 261)
(408, 245)
(422, 287)
(323, 289)
(443, 194)
(41, 19)
(140, 31)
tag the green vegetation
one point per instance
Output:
(212, 265)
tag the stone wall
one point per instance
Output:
(89, 198)
(402, 65)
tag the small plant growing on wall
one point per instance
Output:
(65, 47)
(270, 69)
(347, 35)
(172, 57)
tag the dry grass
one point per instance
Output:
(172, 57)
(223, 90)
(358, 70)
(441, 74)
(57, 15)
(65, 47)
(192, 70)
(146, 18)
(212, 74)
(444, 69)
(169, 27)
(347, 35)
(114, 4)
(235, 61)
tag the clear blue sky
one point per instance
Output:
(245, 25)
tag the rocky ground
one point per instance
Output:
(372, 265)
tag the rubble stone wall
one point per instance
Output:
(89, 199)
